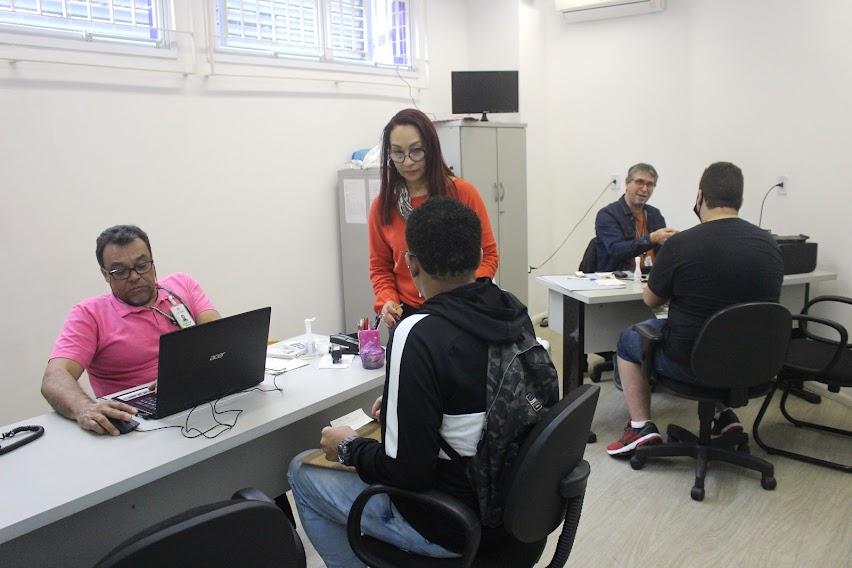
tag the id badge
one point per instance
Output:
(182, 317)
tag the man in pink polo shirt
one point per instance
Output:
(116, 337)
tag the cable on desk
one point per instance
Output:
(192, 432)
(571, 232)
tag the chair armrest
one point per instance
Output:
(649, 332)
(252, 494)
(651, 337)
(827, 298)
(841, 343)
(574, 484)
(803, 325)
(443, 505)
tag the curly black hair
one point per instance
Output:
(445, 236)
(119, 235)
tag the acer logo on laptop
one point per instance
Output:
(216, 356)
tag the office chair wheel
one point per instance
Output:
(768, 482)
(697, 494)
(595, 375)
(744, 448)
(637, 462)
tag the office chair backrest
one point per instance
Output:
(534, 508)
(742, 345)
(228, 533)
(590, 257)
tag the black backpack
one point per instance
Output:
(521, 385)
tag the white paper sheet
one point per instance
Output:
(278, 366)
(326, 362)
(574, 283)
(354, 201)
(355, 419)
(373, 188)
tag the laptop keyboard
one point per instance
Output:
(148, 403)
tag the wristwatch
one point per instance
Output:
(344, 450)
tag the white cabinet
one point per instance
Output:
(492, 156)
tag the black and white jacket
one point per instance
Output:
(435, 387)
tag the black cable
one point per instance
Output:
(768, 191)
(186, 429)
(574, 228)
(35, 432)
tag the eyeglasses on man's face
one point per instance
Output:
(123, 273)
(644, 182)
(416, 155)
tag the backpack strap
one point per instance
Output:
(448, 449)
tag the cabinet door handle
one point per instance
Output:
(502, 191)
(496, 191)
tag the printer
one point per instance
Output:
(799, 255)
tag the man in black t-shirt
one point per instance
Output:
(721, 262)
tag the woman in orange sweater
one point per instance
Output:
(413, 169)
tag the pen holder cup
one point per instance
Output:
(370, 348)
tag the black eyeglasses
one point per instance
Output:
(139, 268)
(646, 183)
(416, 155)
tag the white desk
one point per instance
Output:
(71, 496)
(590, 321)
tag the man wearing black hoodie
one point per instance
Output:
(435, 388)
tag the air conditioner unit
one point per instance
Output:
(585, 10)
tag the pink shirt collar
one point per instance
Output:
(123, 308)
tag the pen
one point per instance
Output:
(376, 323)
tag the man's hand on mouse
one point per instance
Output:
(94, 415)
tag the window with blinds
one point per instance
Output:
(127, 21)
(371, 31)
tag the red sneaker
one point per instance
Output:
(633, 438)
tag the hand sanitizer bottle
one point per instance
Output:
(310, 342)
(637, 273)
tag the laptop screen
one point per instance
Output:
(206, 362)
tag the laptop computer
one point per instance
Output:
(206, 362)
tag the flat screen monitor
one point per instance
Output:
(484, 91)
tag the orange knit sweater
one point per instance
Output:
(388, 271)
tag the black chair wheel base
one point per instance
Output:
(637, 462)
(744, 448)
(768, 482)
(595, 375)
(697, 494)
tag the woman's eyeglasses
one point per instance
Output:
(416, 155)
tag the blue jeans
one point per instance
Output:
(323, 498)
(630, 349)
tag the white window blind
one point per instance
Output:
(372, 31)
(131, 21)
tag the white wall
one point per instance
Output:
(234, 182)
(765, 84)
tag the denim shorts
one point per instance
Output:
(630, 349)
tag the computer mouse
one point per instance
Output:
(124, 426)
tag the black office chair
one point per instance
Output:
(812, 358)
(737, 354)
(546, 487)
(248, 530)
(588, 264)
